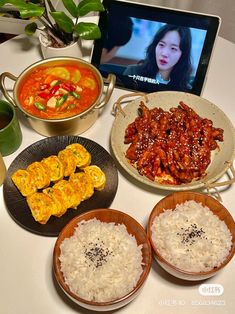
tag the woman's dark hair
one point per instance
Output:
(119, 31)
(181, 72)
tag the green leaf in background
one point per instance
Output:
(26, 9)
(64, 26)
(87, 6)
(31, 28)
(13, 2)
(2, 3)
(88, 30)
(31, 10)
(63, 21)
(71, 7)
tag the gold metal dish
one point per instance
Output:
(72, 125)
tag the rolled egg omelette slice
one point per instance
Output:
(83, 184)
(57, 196)
(81, 153)
(97, 176)
(71, 196)
(24, 181)
(55, 167)
(42, 206)
(68, 160)
(40, 174)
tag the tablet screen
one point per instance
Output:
(153, 48)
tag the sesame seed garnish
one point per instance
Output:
(96, 254)
(191, 233)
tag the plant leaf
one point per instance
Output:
(13, 2)
(87, 6)
(31, 28)
(3, 2)
(26, 9)
(63, 21)
(71, 7)
(87, 30)
(31, 11)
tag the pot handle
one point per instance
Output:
(213, 186)
(228, 182)
(3, 88)
(111, 80)
(117, 107)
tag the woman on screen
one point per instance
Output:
(168, 58)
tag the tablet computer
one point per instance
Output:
(151, 48)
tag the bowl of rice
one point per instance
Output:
(192, 235)
(102, 259)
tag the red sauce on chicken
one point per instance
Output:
(172, 146)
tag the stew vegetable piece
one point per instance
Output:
(56, 92)
(172, 146)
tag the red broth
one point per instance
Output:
(56, 92)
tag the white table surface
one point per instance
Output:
(27, 285)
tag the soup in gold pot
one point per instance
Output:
(55, 92)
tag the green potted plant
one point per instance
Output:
(60, 28)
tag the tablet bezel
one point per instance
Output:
(210, 23)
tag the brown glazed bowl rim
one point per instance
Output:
(206, 200)
(106, 215)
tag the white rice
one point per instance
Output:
(101, 261)
(191, 237)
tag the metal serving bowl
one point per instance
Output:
(65, 126)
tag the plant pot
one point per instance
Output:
(72, 50)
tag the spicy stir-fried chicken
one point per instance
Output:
(173, 146)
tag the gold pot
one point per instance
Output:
(65, 126)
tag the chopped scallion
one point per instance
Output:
(75, 94)
(71, 106)
(39, 105)
(61, 100)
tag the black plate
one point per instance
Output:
(16, 203)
